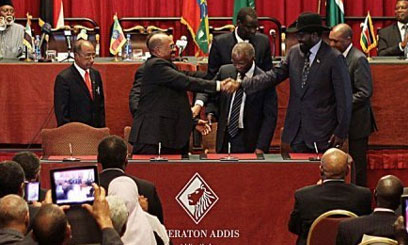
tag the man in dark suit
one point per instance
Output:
(112, 155)
(393, 39)
(221, 47)
(320, 101)
(380, 223)
(362, 118)
(332, 193)
(164, 115)
(254, 115)
(78, 90)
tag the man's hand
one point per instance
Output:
(100, 208)
(229, 85)
(400, 233)
(196, 110)
(48, 200)
(336, 141)
(144, 203)
(203, 127)
(259, 151)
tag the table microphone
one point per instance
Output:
(181, 44)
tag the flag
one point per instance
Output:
(118, 38)
(52, 11)
(368, 39)
(334, 12)
(28, 37)
(195, 17)
(239, 4)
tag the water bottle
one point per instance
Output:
(37, 49)
(406, 52)
(128, 48)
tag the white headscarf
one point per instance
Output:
(138, 229)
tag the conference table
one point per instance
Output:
(250, 203)
(26, 98)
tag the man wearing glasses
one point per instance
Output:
(11, 34)
(78, 90)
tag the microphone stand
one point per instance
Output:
(69, 48)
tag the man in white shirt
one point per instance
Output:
(11, 34)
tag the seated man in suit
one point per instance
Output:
(393, 39)
(380, 223)
(246, 121)
(112, 155)
(14, 219)
(332, 193)
(78, 90)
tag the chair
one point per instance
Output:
(379, 241)
(126, 133)
(324, 229)
(138, 35)
(83, 138)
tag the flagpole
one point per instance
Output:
(27, 57)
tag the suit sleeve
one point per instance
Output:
(362, 83)
(61, 100)
(156, 207)
(110, 237)
(343, 93)
(213, 100)
(384, 48)
(134, 95)
(267, 60)
(295, 223)
(341, 238)
(270, 115)
(214, 60)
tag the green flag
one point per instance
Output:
(239, 4)
(334, 12)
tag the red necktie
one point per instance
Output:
(88, 83)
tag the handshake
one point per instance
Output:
(230, 85)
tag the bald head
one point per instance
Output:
(388, 192)
(341, 37)
(51, 225)
(161, 45)
(13, 212)
(335, 164)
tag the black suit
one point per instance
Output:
(312, 201)
(164, 113)
(260, 114)
(72, 100)
(362, 118)
(320, 109)
(350, 232)
(145, 188)
(388, 41)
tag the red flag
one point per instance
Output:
(58, 14)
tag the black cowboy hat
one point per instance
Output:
(6, 2)
(308, 22)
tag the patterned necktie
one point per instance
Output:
(88, 83)
(235, 111)
(306, 69)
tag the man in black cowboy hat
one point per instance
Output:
(11, 34)
(320, 102)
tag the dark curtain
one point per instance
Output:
(286, 11)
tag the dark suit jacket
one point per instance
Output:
(72, 101)
(260, 113)
(164, 113)
(145, 188)
(388, 41)
(312, 201)
(323, 107)
(362, 119)
(350, 232)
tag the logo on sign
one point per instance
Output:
(197, 198)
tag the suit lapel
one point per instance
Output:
(81, 81)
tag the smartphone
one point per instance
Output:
(32, 192)
(404, 210)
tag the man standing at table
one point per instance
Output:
(362, 118)
(393, 39)
(320, 102)
(11, 34)
(78, 90)
(164, 115)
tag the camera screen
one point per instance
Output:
(74, 186)
(32, 191)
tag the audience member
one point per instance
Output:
(12, 34)
(118, 213)
(362, 118)
(112, 155)
(320, 101)
(393, 39)
(11, 179)
(246, 121)
(380, 223)
(332, 193)
(14, 219)
(78, 90)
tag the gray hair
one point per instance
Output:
(118, 212)
(13, 208)
(244, 48)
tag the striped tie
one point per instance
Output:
(235, 111)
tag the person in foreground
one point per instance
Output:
(332, 193)
(387, 195)
(14, 219)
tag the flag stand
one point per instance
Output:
(116, 58)
(27, 57)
